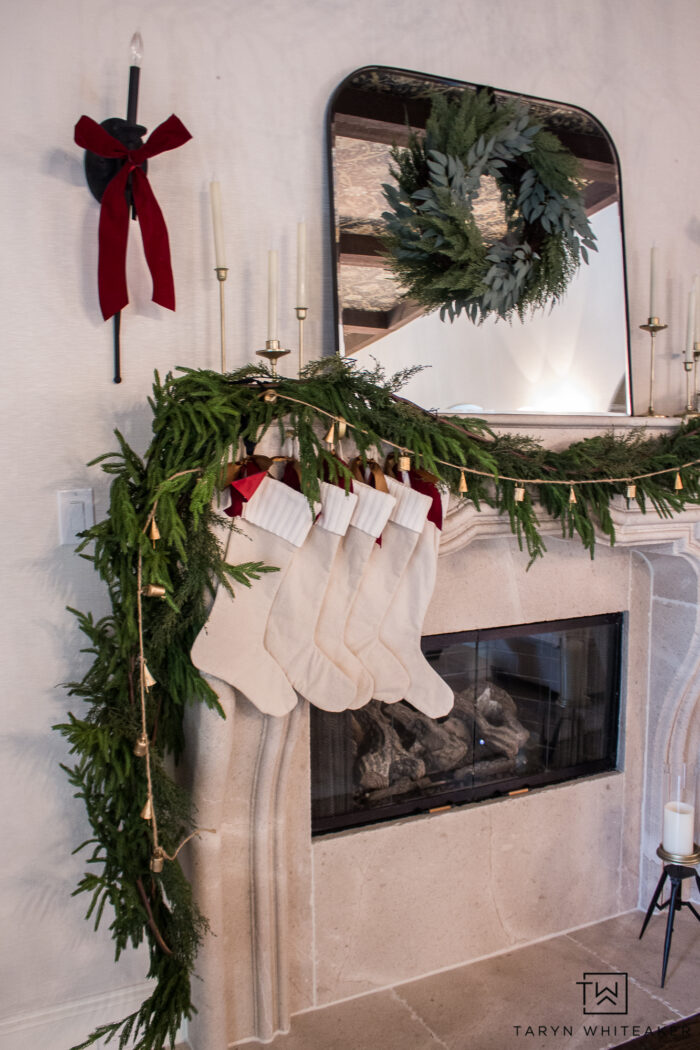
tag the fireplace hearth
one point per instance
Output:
(535, 704)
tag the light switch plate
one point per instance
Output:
(76, 512)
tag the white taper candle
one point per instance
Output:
(217, 223)
(272, 282)
(301, 264)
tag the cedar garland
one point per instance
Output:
(197, 418)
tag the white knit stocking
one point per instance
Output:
(402, 627)
(367, 523)
(377, 589)
(292, 624)
(231, 644)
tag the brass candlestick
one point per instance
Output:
(652, 327)
(221, 275)
(689, 407)
(273, 351)
(301, 312)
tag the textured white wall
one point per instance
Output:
(250, 81)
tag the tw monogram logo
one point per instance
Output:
(604, 993)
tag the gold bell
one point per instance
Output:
(157, 860)
(631, 490)
(463, 487)
(572, 495)
(147, 811)
(519, 493)
(330, 436)
(404, 461)
(678, 485)
(153, 590)
(342, 428)
(148, 679)
(154, 532)
(141, 745)
(270, 397)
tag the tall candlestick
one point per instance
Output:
(136, 54)
(218, 223)
(696, 287)
(272, 282)
(301, 264)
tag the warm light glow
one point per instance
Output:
(136, 50)
(564, 397)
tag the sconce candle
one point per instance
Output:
(218, 224)
(653, 283)
(272, 281)
(301, 264)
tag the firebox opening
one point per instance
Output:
(535, 704)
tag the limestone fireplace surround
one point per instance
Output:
(300, 923)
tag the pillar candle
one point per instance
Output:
(679, 826)
(272, 276)
(218, 224)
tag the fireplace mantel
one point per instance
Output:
(301, 924)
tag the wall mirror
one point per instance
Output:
(572, 357)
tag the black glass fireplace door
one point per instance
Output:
(535, 704)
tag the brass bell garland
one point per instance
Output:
(148, 679)
(153, 590)
(330, 436)
(463, 487)
(141, 745)
(147, 811)
(572, 495)
(270, 397)
(678, 485)
(519, 493)
(154, 535)
(631, 490)
(404, 461)
(157, 860)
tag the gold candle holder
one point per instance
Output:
(690, 409)
(652, 327)
(272, 352)
(221, 275)
(301, 312)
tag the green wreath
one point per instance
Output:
(433, 242)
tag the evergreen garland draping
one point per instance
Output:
(197, 418)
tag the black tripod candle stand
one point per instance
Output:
(676, 868)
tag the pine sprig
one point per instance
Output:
(199, 417)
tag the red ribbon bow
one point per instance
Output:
(114, 213)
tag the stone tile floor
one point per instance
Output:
(526, 999)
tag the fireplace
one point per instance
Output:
(535, 704)
(300, 922)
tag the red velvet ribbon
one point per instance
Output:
(243, 488)
(114, 213)
(428, 489)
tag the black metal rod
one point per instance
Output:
(133, 99)
(117, 348)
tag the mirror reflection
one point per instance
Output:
(571, 357)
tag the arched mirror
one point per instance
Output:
(569, 357)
